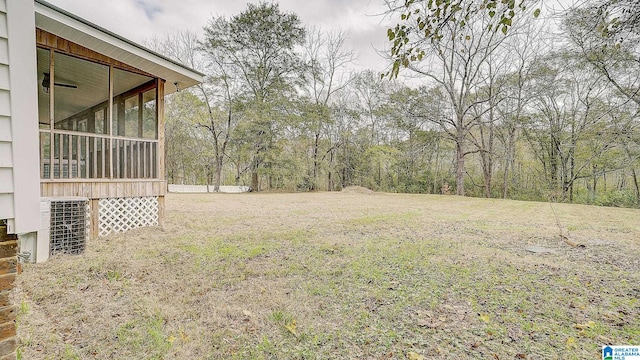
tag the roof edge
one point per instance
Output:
(116, 36)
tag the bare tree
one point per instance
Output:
(326, 60)
(570, 111)
(217, 90)
(607, 35)
(455, 63)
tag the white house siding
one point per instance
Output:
(6, 155)
(19, 176)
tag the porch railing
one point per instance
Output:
(68, 155)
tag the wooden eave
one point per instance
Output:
(82, 32)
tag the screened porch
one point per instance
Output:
(97, 121)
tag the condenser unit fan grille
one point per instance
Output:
(68, 227)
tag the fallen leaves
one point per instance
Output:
(484, 317)
(414, 356)
(292, 327)
(570, 342)
(587, 325)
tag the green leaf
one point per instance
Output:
(390, 34)
(492, 13)
(504, 29)
(536, 13)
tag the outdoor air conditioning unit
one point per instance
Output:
(64, 226)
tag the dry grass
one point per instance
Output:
(341, 276)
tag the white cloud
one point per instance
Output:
(139, 20)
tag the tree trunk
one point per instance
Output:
(633, 173)
(509, 168)
(329, 178)
(572, 163)
(593, 190)
(238, 173)
(487, 163)
(437, 172)
(218, 174)
(460, 169)
(487, 184)
(316, 141)
(254, 176)
(635, 183)
(254, 180)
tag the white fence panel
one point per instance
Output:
(206, 189)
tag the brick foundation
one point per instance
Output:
(8, 271)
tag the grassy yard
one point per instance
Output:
(349, 275)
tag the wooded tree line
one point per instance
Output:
(498, 105)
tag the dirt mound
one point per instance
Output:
(356, 190)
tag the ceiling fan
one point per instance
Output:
(46, 81)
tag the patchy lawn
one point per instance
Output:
(350, 275)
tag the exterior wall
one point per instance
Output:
(19, 196)
(6, 155)
(19, 173)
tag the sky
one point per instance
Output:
(140, 20)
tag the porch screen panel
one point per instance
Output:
(128, 89)
(44, 116)
(80, 90)
(149, 116)
(135, 124)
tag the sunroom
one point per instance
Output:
(100, 116)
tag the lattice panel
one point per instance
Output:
(123, 214)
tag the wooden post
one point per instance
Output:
(160, 113)
(161, 211)
(94, 219)
(8, 272)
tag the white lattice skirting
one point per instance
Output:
(123, 214)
